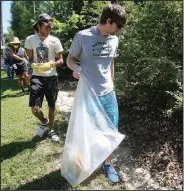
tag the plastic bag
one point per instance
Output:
(91, 136)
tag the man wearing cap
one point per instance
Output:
(42, 49)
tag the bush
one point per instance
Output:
(149, 66)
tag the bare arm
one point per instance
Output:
(112, 71)
(71, 62)
(15, 56)
(59, 62)
(29, 53)
(25, 55)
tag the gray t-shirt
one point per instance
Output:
(95, 53)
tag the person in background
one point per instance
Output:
(42, 49)
(20, 63)
(8, 62)
(96, 49)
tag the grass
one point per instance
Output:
(24, 157)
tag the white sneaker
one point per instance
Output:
(52, 134)
(41, 128)
(40, 131)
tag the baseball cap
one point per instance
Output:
(45, 19)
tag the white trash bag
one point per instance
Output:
(91, 136)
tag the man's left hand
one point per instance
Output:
(76, 75)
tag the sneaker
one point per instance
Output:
(41, 128)
(111, 173)
(52, 134)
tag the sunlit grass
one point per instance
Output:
(24, 157)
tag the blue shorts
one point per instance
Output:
(109, 103)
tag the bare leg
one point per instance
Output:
(52, 133)
(108, 159)
(26, 76)
(20, 81)
(39, 114)
(51, 118)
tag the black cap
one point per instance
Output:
(43, 18)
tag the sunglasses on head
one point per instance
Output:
(47, 23)
(45, 20)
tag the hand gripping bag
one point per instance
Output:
(91, 136)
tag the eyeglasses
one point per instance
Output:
(48, 24)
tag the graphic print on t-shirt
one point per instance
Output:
(101, 49)
(42, 54)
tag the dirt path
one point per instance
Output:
(132, 177)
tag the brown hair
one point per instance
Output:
(35, 27)
(115, 12)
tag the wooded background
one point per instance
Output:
(148, 70)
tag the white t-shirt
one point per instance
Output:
(44, 51)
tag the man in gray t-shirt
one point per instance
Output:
(96, 49)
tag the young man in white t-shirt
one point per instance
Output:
(42, 49)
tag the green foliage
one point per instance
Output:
(149, 66)
(149, 62)
(77, 6)
(16, 23)
(57, 9)
(9, 35)
(65, 31)
(90, 13)
(23, 17)
(26, 18)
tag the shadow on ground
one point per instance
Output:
(61, 123)
(52, 181)
(156, 142)
(12, 149)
